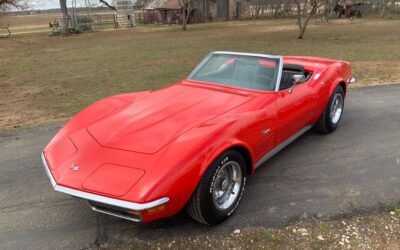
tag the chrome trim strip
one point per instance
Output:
(246, 54)
(113, 214)
(280, 70)
(111, 201)
(47, 170)
(278, 148)
(99, 198)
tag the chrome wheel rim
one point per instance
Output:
(336, 108)
(227, 184)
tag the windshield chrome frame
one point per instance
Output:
(280, 66)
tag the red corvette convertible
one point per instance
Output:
(147, 155)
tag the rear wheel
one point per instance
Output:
(332, 115)
(220, 189)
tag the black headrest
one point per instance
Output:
(294, 67)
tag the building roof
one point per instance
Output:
(163, 4)
(171, 4)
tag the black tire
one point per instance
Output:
(326, 124)
(202, 206)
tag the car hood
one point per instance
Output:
(150, 123)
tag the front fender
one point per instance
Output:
(180, 173)
(230, 144)
(96, 111)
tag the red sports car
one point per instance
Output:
(147, 155)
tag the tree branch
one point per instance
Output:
(107, 4)
(5, 4)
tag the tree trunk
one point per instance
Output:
(184, 19)
(301, 33)
(383, 10)
(303, 25)
(258, 7)
(187, 17)
(64, 11)
(262, 10)
(298, 14)
(184, 24)
(393, 4)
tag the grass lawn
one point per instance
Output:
(19, 31)
(43, 78)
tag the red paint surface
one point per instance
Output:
(166, 139)
(112, 180)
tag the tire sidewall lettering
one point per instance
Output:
(227, 158)
(239, 198)
(210, 190)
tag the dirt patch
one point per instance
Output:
(15, 105)
(378, 72)
(380, 230)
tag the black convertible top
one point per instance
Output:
(294, 67)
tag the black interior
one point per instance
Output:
(287, 75)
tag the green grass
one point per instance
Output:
(323, 227)
(268, 235)
(18, 31)
(49, 78)
(395, 208)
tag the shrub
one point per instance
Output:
(84, 23)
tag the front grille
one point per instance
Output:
(119, 212)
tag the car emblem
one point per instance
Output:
(74, 167)
(265, 131)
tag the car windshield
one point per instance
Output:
(238, 70)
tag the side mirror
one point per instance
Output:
(299, 78)
(296, 80)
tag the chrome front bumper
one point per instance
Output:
(105, 205)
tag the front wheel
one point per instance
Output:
(220, 189)
(332, 115)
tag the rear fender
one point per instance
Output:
(336, 82)
(342, 76)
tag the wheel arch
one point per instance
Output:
(338, 82)
(344, 86)
(239, 147)
(247, 157)
(342, 74)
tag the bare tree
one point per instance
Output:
(384, 5)
(6, 4)
(64, 11)
(65, 22)
(304, 13)
(187, 6)
(108, 4)
(328, 5)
